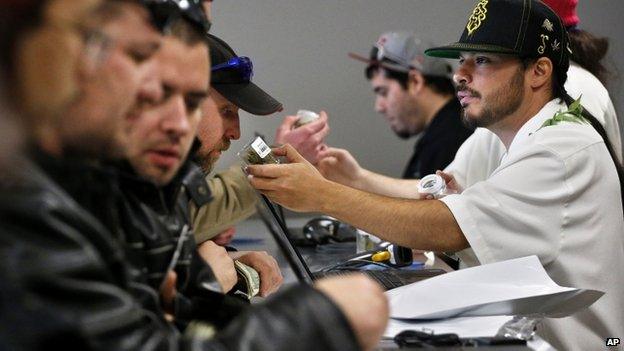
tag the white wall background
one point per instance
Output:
(299, 49)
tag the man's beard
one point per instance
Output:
(499, 105)
(207, 161)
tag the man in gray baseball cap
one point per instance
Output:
(415, 95)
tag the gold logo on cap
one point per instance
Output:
(477, 16)
(542, 47)
(548, 25)
(555, 45)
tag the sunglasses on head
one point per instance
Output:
(242, 65)
(165, 11)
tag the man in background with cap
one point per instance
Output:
(416, 96)
(556, 194)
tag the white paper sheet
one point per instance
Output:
(514, 287)
(464, 327)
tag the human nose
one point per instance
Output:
(176, 121)
(233, 128)
(380, 105)
(462, 74)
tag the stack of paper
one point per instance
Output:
(515, 287)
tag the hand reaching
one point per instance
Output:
(294, 185)
(308, 139)
(340, 166)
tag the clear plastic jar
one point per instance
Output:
(432, 184)
(257, 152)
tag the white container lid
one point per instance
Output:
(306, 117)
(431, 184)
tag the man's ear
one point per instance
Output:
(541, 72)
(415, 81)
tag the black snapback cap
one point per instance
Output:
(524, 28)
(244, 94)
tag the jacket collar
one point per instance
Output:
(189, 178)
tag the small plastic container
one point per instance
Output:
(432, 184)
(305, 117)
(257, 152)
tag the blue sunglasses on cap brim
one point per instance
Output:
(240, 64)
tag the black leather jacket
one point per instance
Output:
(153, 219)
(65, 283)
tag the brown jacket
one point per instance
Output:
(233, 201)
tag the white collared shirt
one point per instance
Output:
(556, 195)
(482, 152)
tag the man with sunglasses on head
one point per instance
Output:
(234, 199)
(231, 89)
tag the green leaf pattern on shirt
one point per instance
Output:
(573, 114)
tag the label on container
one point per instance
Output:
(261, 148)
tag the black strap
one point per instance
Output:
(603, 133)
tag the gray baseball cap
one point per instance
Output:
(403, 51)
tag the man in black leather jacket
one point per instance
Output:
(153, 203)
(157, 185)
(65, 276)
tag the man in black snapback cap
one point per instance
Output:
(525, 29)
(233, 198)
(231, 77)
(555, 193)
